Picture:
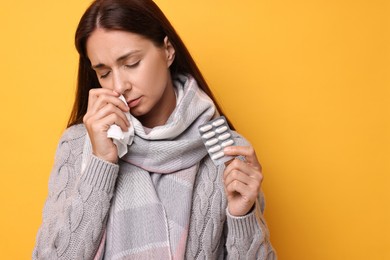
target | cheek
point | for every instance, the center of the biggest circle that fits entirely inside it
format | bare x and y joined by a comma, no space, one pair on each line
105,84
155,77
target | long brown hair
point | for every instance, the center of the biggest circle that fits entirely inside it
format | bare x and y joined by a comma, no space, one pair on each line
141,17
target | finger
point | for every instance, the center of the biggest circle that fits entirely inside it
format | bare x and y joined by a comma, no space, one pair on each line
247,151
103,124
249,190
237,186
244,168
103,99
104,104
112,115
94,94
118,117
237,175
117,120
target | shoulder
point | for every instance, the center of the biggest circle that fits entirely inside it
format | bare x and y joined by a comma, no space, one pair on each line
72,138
71,144
75,132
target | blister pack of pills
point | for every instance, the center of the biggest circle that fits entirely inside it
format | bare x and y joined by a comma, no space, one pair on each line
217,135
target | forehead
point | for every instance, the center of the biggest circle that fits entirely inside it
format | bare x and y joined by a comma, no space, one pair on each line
111,44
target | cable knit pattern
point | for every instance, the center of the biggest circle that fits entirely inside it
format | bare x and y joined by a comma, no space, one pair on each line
76,211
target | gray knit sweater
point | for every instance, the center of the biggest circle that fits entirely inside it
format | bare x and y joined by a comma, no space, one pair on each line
85,199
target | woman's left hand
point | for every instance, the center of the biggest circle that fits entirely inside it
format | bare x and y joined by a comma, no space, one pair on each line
242,180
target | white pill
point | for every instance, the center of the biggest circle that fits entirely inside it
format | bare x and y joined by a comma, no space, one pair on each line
227,143
205,128
224,136
211,142
218,122
217,155
221,129
208,135
215,149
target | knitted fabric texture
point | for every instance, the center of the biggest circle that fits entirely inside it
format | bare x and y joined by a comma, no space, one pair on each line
78,206
157,177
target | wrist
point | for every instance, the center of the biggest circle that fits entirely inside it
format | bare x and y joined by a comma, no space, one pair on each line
241,213
107,157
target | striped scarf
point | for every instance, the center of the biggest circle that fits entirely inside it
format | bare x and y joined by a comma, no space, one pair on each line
150,213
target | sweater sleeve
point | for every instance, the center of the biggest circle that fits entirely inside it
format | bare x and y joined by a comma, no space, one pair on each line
77,205
248,236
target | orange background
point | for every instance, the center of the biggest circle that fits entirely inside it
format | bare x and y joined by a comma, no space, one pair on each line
307,82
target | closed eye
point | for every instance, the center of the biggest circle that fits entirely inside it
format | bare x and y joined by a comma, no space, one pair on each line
104,75
133,65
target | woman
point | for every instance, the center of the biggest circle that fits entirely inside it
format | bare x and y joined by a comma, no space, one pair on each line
163,198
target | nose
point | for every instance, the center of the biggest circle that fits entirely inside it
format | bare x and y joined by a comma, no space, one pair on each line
121,84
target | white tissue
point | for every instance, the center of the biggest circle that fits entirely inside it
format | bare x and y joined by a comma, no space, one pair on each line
121,139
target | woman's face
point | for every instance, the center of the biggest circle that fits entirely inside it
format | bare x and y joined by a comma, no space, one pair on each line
133,66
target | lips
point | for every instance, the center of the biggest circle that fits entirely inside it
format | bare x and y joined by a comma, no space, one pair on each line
134,102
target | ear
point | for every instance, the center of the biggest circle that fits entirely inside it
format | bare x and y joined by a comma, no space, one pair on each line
170,51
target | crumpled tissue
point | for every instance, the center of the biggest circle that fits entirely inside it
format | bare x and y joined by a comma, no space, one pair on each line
122,139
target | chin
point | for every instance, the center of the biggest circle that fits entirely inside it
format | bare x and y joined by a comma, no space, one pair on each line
138,113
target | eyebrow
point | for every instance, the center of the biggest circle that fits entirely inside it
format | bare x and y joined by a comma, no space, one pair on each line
120,59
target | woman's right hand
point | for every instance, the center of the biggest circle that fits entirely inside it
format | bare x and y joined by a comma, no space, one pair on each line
104,109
